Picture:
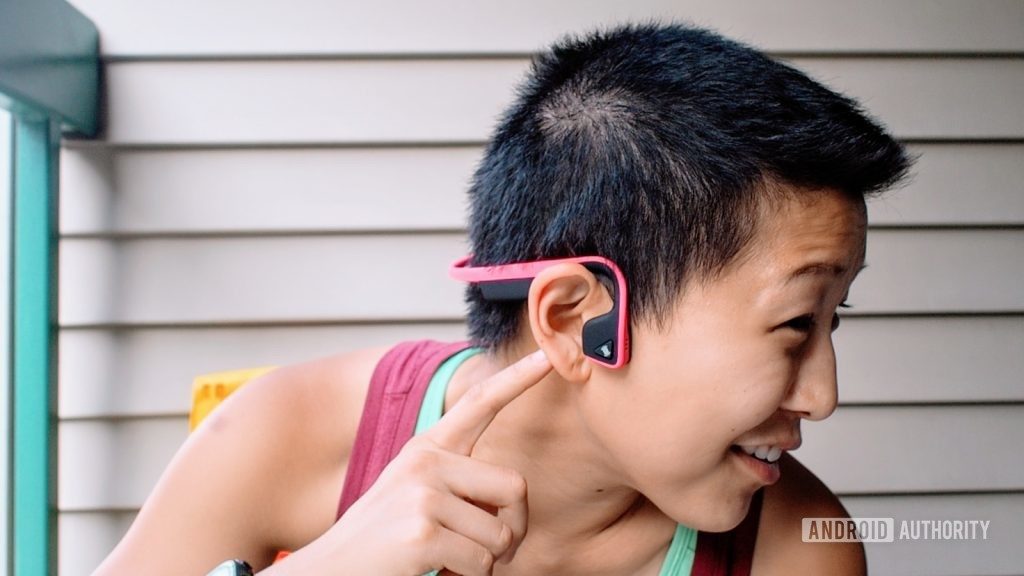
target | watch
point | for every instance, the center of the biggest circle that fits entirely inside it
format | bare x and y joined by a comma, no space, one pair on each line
232,568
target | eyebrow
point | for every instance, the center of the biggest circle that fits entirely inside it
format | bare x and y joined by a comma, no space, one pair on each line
819,268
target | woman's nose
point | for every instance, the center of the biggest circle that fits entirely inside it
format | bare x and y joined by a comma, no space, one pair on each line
815,393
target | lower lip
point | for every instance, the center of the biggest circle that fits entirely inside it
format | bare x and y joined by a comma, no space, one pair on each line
767,473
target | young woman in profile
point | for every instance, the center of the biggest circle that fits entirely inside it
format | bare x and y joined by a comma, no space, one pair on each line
663,226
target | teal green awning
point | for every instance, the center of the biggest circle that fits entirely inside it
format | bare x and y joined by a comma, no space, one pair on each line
49,63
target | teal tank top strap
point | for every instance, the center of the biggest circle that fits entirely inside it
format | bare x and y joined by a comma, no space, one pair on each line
432,407
682,550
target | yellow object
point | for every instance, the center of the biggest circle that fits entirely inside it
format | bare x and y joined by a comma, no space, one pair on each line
209,390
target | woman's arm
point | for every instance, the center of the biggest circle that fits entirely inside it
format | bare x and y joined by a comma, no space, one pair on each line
264,472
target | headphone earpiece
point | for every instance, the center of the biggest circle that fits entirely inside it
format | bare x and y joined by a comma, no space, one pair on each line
605,337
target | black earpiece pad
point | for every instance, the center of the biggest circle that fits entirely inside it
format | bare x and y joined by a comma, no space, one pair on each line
600,335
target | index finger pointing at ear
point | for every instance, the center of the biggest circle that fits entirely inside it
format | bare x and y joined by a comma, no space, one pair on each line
462,426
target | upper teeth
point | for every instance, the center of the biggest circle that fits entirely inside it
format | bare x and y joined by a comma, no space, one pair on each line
769,453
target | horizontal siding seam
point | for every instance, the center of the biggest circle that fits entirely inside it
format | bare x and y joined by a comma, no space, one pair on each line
934,493
840,494
265,233
288,323
77,144
256,324
402,56
875,406
985,403
124,418
143,146
414,231
71,144
163,416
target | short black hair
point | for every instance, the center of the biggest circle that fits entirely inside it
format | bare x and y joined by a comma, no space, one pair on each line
654,145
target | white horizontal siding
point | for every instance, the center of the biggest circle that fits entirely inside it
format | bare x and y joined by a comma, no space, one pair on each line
116,191
917,448
124,191
113,464
438,100
939,271
932,98
132,455
380,277
139,372
930,359
87,535
374,277
135,372
957,184
1000,554
197,27
308,101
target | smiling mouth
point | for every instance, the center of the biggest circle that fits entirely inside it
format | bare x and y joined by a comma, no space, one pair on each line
766,470
767,453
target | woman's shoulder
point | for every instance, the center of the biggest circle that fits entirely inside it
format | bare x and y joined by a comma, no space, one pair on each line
780,548
263,472
313,410
326,395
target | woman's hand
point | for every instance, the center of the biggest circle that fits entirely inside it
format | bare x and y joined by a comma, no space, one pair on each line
431,508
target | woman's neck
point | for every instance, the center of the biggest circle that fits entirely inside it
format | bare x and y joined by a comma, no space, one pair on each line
582,512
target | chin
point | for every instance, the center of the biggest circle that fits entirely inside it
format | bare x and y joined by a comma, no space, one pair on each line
718,512
728,519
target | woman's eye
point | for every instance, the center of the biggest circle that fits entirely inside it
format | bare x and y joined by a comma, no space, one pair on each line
802,323
806,322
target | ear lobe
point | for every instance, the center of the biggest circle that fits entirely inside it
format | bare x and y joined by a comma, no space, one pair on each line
562,299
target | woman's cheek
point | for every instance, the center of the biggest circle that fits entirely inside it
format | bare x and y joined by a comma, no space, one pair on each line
768,386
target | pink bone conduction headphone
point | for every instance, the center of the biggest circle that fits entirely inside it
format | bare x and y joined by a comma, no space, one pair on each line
605,337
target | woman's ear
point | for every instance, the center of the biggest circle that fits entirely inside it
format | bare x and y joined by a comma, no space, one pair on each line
562,299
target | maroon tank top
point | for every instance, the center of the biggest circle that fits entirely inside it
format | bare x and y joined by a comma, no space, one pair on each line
392,406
